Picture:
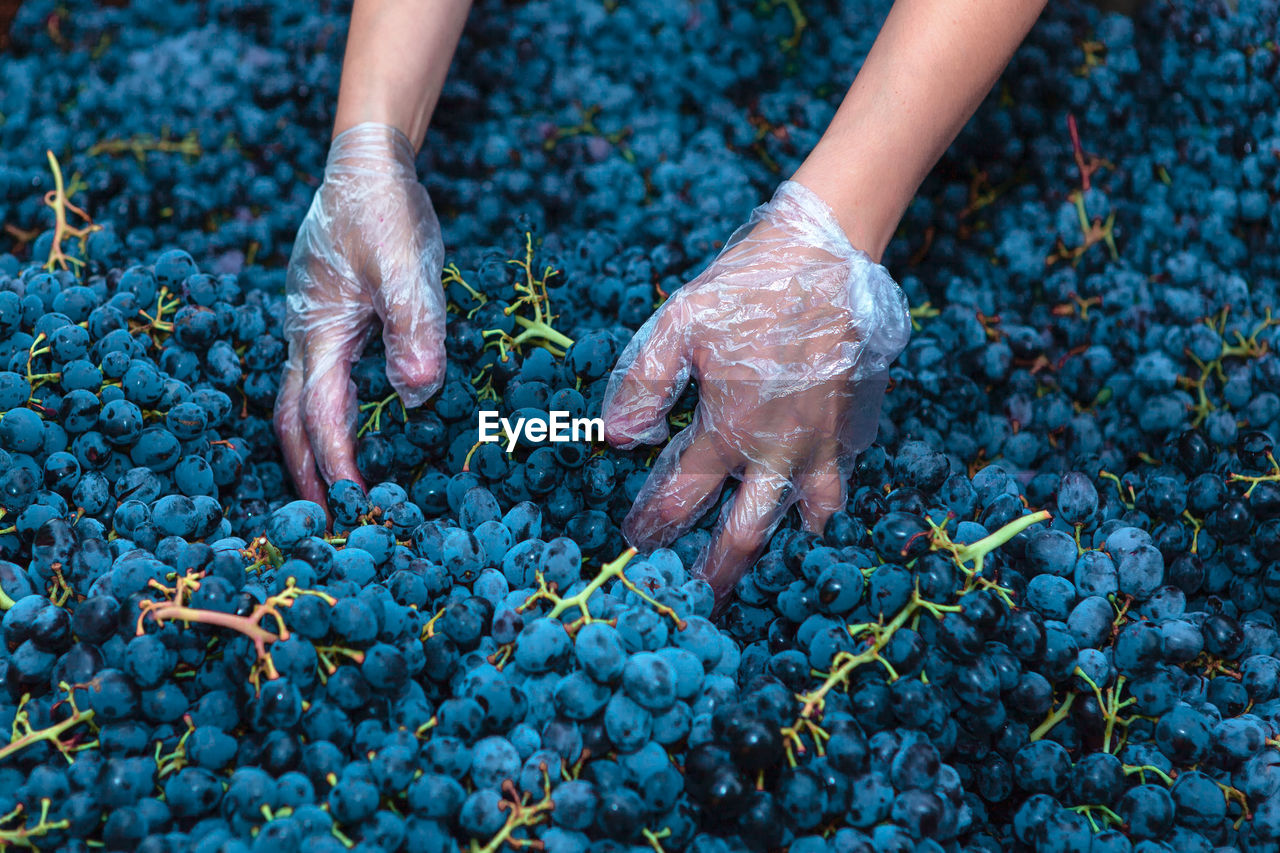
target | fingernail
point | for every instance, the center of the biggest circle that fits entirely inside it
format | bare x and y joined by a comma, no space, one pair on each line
619,437
627,431
414,397
414,380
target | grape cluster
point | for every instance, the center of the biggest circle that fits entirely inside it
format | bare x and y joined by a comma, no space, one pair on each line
1045,621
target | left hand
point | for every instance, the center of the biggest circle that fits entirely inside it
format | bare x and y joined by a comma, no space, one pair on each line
369,250
789,334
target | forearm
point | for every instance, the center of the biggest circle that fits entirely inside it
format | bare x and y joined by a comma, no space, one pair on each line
931,65
397,58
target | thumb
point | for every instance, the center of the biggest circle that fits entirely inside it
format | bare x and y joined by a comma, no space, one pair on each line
408,296
413,332
648,379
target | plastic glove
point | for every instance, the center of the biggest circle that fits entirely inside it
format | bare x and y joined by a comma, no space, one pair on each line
789,334
369,248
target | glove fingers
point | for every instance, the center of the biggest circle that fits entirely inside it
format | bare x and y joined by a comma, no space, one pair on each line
744,527
409,300
329,402
413,331
684,482
287,419
648,379
330,424
821,493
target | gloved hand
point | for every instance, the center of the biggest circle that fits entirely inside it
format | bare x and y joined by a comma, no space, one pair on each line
788,334
369,247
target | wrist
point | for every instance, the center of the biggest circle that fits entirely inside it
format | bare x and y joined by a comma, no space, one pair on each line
864,201
403,119
372,145
862,224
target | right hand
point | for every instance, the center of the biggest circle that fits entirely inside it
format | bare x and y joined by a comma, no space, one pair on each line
369,247
789,335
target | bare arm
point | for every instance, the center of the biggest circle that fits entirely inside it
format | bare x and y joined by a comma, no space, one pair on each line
931,65
398,54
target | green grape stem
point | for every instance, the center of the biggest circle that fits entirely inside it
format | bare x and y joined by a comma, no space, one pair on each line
22,836
1056,716
23,735
523,814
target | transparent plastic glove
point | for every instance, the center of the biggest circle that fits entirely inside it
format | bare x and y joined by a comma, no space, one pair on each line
789,334
369,249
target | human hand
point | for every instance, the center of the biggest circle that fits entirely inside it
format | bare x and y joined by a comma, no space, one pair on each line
789,334
369,247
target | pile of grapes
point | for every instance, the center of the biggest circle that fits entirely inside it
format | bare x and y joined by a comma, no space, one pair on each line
1045,622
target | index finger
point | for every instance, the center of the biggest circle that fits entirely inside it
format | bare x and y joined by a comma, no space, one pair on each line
682,485
650,375
294,445
745,526
329,407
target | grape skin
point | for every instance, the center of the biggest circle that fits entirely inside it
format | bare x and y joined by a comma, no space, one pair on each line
132,454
